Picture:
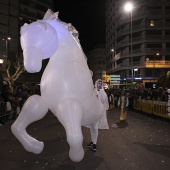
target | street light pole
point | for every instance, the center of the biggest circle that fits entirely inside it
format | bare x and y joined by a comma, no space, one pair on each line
6,44
6,41
157,54
131,48
129,7
112,51
135,70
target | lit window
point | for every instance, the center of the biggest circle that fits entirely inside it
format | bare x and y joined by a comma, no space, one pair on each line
152,23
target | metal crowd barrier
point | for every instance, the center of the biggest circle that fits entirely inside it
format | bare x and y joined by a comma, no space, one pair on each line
147,106
160,109
157,108
137,104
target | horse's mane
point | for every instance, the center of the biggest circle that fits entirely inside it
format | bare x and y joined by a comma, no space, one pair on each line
50,15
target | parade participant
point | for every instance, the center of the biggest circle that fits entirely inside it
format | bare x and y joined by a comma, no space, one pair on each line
123,103
102,123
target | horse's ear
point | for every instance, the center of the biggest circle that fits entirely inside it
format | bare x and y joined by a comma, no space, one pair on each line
42,24
50,15
23,27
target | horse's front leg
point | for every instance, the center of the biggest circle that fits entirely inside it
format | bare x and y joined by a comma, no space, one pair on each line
34,109
70,114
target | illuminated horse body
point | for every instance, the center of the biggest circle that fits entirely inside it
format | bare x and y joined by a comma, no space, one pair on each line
66,85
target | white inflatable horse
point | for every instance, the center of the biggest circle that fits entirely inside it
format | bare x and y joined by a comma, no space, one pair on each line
66,85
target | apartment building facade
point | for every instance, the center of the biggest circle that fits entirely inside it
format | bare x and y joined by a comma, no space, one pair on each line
13,14
97,62
138,42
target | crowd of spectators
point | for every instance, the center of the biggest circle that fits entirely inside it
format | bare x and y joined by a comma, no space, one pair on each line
138,92
12,99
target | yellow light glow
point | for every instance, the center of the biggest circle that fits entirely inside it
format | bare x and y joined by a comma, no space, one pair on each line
152,23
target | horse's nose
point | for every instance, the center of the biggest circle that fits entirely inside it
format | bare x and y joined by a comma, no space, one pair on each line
32,59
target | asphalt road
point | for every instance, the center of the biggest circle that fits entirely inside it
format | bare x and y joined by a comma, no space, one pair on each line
142,145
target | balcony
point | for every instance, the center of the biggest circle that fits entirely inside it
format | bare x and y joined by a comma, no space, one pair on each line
157,64
149,39
144,64
140,15
142,27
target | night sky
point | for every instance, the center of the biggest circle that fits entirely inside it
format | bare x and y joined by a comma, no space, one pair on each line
87,16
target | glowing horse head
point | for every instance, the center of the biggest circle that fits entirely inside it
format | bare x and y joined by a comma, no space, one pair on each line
38,41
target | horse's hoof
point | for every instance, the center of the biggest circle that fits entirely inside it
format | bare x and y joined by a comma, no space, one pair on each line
28,142
76,155
36,147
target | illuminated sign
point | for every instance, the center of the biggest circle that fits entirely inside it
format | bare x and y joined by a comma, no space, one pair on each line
115,79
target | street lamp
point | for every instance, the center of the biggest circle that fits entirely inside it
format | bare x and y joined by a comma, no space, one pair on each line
157,54
1,61
112,51
6,41
129,7
135,70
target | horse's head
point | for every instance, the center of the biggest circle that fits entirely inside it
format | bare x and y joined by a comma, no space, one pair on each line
38,41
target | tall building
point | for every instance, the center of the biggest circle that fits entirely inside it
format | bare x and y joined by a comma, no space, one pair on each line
9,28
138,42
30,11
97,62
13,14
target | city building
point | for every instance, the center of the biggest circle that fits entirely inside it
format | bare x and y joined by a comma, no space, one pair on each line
138,41
97,63
13,15
9,30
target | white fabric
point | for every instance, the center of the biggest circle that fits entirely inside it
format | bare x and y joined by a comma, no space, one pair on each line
102,96
103,124
94,132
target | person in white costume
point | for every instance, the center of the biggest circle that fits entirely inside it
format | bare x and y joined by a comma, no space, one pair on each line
102,123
